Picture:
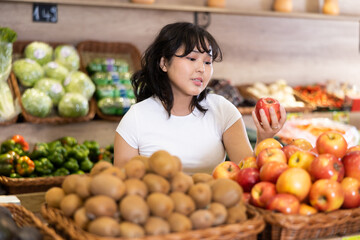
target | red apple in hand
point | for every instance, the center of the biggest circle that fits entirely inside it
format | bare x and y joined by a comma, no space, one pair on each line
226,169
270,155
271,171
332,142
247,178
301,159
290,150
327,166
326,195
351,163
351,187
296,181
284,203
248,162
265,104
262,193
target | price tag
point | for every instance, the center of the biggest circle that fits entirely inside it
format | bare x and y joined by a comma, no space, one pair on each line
44,12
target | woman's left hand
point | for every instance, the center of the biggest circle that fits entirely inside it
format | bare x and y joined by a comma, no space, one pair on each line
265,129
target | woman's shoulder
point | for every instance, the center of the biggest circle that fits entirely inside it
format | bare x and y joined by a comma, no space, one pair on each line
216,99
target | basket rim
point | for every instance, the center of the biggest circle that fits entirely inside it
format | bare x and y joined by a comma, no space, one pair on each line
255,225
36,181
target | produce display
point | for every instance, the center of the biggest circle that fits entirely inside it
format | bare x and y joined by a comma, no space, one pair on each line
148,196
60,157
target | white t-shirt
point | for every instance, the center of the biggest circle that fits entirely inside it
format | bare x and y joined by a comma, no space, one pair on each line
196,138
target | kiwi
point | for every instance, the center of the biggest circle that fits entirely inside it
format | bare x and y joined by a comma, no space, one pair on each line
108,185
226,191
201,194
219,211
104,226
69,183
53,196
163,163
133,208
145,160
179,222
115,171
135,169
135,186
100,205
202,218
202,177
80,218
156,183
183,203
156,226
131,230
236,214
178,162
181,182
82,187
160,204
99,167
70,203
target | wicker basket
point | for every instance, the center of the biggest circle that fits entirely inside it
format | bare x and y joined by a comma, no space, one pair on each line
24,217
29,185
247,230
298,227
89,50
14,119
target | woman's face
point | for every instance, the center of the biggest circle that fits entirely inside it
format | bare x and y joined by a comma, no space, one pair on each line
189,75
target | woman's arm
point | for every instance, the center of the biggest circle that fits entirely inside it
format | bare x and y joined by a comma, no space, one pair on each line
123,152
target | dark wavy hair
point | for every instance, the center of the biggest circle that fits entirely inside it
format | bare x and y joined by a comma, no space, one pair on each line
152,81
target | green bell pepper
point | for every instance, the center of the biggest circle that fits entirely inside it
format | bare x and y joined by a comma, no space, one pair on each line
6,169
40,150
57,155
54,144
61,172
7,145
79,172
86,165
25,166
70,141
94,149
43,166
72,165
80,152
9,157
15,175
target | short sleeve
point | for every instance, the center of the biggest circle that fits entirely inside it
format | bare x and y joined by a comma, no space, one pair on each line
127,128
230,114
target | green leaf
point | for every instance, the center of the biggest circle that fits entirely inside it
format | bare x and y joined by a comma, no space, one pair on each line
7,35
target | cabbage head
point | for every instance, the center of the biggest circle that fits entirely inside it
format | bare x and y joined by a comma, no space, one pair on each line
39,51
79,82
56,71
53,88
73,105
67,56
27,71
36,102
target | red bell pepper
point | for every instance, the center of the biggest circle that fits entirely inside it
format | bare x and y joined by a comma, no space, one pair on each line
20,139
25,166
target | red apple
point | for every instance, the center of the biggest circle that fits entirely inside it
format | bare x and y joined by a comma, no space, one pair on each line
246,197
353,149
226,169
301,159
267,143
302,143
290,150
306,209
296,181
351,163
332,142
285,203
248,162
266,103
270,155
351,187
247,178
271,171
326,195
262,193
327,166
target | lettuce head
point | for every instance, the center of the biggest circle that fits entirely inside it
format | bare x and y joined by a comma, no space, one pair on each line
79,82
67,56
27,71
36,102
52,88
56,71
73,105
39,51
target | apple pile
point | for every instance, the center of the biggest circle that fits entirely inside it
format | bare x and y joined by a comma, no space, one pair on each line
299,178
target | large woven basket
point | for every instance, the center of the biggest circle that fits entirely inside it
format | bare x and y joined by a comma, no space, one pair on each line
247,230
320,225
15,118
24,217
89,50
29,185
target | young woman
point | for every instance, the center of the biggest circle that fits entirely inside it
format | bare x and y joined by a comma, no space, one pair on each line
175,112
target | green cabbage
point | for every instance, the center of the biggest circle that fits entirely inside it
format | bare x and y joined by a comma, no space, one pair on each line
36,102
79,82
39,51
56,71
52,88
73,105
27,71
67,56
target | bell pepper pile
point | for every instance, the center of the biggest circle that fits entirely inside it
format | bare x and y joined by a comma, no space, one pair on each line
60,157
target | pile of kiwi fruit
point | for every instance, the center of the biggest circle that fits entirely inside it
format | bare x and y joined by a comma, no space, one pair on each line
148,196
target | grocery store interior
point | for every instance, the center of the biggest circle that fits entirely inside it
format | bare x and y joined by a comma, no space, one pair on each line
298,51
